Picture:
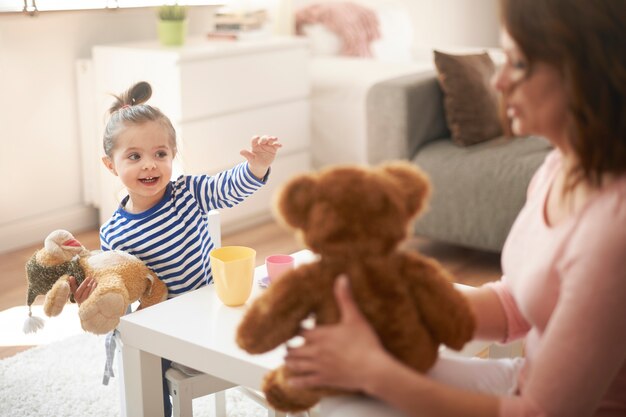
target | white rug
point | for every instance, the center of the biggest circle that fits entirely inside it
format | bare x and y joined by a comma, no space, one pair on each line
64,379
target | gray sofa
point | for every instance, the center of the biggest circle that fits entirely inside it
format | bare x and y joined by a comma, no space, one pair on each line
478,190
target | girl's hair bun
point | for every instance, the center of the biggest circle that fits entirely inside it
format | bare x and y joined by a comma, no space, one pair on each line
137,94
140,93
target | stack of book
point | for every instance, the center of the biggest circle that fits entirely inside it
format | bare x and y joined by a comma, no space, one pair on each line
232,25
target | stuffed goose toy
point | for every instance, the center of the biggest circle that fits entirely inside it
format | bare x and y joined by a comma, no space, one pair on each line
121,280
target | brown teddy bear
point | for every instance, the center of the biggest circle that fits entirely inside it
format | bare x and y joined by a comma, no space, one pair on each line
121,280
355,218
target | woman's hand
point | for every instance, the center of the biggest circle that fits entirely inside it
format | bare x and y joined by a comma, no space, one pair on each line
340,355
81,292
262,154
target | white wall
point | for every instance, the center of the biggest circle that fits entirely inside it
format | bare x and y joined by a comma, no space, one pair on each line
39,131
440,23
454,23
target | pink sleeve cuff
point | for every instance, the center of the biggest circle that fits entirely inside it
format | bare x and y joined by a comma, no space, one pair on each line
517,326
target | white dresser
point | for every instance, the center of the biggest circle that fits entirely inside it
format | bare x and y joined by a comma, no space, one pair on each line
218,95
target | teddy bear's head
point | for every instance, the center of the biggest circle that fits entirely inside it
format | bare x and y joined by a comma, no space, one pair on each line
354,209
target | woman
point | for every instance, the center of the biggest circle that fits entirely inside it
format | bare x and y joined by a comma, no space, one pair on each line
564,262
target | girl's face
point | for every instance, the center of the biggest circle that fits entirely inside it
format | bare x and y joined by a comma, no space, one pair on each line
142,158
535,97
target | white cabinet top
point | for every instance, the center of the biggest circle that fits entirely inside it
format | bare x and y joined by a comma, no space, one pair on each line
203,48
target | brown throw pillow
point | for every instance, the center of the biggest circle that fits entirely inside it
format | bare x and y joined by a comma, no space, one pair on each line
470,102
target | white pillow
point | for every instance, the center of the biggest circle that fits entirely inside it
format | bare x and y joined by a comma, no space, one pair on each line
396,31
323,42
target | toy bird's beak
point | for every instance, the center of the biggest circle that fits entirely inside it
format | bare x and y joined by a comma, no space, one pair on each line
72,242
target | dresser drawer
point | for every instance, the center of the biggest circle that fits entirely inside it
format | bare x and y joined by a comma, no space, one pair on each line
237,82
214,144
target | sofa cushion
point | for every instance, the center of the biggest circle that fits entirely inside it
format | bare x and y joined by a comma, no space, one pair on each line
477,190
470,103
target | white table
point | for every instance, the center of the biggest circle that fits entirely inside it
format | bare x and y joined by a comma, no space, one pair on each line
195,330
198,331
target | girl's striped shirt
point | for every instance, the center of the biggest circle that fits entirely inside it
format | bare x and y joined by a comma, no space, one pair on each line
172,238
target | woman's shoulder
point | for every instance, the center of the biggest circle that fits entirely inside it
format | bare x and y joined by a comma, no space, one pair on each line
601,227
545,173
608,207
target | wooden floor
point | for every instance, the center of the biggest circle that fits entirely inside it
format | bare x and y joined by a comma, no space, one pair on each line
468,266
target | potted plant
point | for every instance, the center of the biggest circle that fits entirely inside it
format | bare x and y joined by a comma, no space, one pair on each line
172,25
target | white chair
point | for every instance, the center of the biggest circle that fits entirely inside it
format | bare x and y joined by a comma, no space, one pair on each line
185,387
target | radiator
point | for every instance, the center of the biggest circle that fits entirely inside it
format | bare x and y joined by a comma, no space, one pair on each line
90,137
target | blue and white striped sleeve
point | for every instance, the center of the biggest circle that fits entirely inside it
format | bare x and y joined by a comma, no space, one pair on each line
104,241
225,189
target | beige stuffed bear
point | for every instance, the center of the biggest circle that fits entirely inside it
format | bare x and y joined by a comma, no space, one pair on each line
121,280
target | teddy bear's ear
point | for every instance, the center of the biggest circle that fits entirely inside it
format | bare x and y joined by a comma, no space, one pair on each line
413,183
294,200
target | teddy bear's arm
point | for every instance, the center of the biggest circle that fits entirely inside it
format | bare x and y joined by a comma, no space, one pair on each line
275,316
446,312
156,291
57,297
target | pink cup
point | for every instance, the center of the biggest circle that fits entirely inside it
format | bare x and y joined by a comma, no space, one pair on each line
277,265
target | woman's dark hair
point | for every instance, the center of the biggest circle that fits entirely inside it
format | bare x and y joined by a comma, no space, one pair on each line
129,109
586,41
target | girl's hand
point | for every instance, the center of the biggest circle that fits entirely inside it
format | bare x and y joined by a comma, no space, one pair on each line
262,154
81,292
337,355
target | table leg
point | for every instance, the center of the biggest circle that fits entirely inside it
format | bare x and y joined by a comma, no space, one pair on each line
143,383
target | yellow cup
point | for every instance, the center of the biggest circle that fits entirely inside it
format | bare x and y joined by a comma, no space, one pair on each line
233,273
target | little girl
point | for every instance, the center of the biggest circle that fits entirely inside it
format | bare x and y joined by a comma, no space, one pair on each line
164,223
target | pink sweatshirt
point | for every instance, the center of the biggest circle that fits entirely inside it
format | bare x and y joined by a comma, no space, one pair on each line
564,288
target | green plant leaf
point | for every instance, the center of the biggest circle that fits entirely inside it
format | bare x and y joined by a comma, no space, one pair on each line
172,12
